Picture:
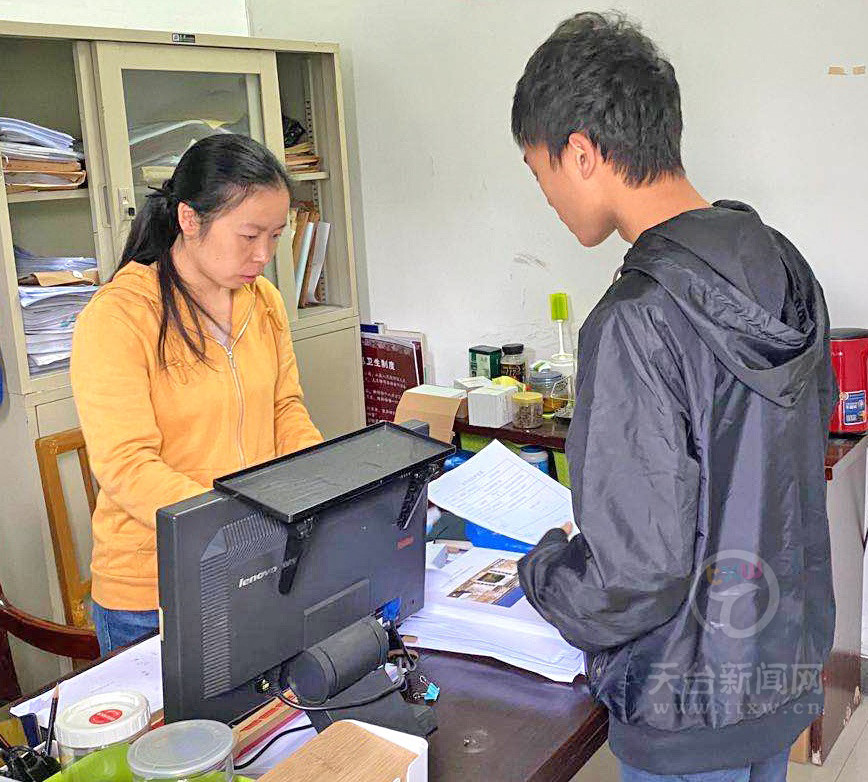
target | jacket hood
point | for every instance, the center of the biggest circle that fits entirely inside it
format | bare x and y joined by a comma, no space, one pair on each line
745,289
138,280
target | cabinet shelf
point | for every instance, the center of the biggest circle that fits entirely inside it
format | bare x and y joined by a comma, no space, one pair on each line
34,196
309,176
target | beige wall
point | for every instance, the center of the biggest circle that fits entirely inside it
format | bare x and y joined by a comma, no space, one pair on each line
195,16
458,241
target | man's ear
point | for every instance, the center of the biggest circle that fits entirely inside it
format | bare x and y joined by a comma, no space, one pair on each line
581,154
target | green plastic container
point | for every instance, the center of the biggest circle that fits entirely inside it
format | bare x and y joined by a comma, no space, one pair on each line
108,765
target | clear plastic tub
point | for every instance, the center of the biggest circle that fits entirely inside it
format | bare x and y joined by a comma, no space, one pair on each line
100,729
188,751
527,410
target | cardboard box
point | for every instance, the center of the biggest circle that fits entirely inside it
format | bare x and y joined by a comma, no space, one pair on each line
438,406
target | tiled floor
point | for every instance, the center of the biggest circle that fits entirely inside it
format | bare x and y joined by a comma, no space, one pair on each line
848,761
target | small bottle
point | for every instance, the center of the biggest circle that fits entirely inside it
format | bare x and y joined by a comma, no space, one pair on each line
513,362
537,456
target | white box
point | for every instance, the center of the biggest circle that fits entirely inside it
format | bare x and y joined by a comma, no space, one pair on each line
490,406
418,770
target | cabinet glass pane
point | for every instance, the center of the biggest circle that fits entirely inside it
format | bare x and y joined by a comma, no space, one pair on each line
169,111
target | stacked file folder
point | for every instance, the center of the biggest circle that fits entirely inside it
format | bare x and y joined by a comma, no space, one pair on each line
39,158
49,312
474,605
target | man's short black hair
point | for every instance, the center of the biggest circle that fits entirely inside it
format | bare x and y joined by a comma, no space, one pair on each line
598,74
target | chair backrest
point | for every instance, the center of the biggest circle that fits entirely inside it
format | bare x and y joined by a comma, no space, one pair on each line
63,640
10,689
73,588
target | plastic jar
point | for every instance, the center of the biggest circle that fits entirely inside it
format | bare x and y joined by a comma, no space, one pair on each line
199,750
527,409
94,735
553,386
513,362
537,456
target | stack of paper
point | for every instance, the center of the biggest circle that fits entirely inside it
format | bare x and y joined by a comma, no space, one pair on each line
162,144
27,263
38,158
19,131
474,605
301,158
49,315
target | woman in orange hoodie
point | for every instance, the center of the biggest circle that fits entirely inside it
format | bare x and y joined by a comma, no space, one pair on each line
182,366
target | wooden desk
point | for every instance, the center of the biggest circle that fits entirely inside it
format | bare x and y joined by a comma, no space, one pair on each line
500,723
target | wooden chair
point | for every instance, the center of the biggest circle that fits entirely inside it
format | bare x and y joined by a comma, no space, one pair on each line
10,689
63,640
74,589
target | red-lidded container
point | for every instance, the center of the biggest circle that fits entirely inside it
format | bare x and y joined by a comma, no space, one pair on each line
850,361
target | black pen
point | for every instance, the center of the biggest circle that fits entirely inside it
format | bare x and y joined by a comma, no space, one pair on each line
52,715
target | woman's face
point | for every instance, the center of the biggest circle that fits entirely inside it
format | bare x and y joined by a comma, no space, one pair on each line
239,242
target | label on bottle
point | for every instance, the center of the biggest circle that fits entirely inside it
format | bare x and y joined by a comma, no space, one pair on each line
853,407
105,716
512,370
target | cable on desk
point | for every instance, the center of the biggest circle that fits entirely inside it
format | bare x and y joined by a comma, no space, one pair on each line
269,743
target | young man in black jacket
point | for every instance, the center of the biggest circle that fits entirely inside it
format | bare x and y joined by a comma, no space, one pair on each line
700,581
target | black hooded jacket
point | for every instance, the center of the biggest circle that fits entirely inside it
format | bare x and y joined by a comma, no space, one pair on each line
700,582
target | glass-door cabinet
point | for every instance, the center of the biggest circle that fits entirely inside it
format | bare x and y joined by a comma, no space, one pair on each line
113,114
162,102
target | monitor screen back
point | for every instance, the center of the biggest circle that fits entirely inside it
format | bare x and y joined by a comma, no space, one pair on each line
225,620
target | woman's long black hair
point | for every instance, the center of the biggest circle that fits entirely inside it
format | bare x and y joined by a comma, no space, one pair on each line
214,175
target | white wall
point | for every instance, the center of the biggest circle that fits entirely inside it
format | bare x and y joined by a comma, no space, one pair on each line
228,17
455,237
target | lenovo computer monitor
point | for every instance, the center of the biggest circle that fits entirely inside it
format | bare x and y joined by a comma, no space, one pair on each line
281,556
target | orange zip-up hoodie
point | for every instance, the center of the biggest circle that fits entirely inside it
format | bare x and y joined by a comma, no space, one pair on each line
157,435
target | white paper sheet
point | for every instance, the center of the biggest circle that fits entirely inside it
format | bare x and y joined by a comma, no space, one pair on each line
139,668
503,493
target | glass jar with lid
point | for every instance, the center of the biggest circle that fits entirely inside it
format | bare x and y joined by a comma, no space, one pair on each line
553,386
513,362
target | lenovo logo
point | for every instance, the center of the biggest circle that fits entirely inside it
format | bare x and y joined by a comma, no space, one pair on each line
243,582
